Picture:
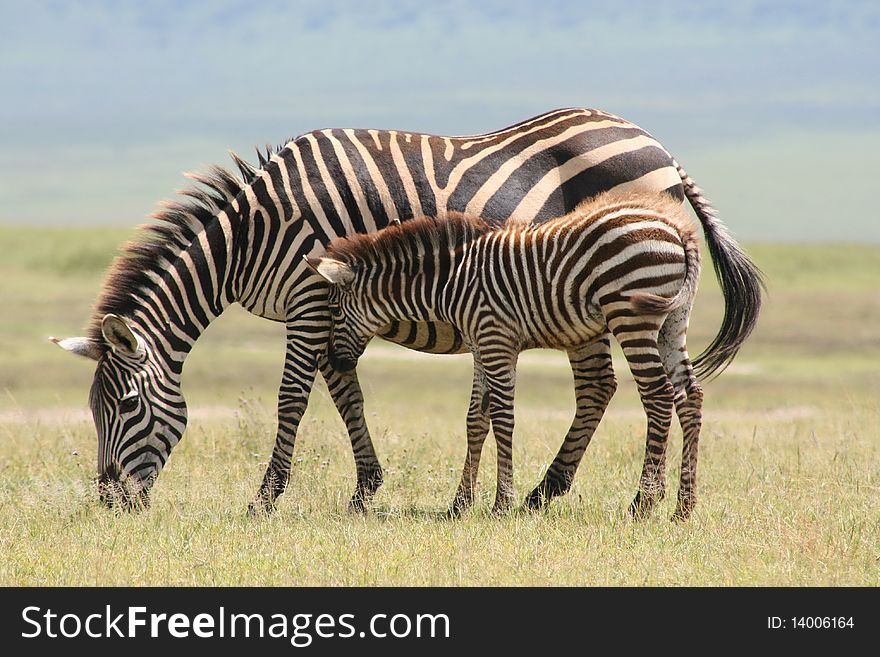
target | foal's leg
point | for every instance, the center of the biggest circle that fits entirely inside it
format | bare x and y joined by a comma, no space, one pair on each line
594,385
637,336
477,430
688,404
499,363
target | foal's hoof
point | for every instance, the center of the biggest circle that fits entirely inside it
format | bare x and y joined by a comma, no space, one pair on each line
683,510
643,504
502,509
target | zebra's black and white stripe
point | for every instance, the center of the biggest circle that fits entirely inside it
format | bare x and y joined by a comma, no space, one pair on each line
242,240
624,266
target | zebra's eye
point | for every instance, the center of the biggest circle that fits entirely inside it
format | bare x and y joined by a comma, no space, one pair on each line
128,403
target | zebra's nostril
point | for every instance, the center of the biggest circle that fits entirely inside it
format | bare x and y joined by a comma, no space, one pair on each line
111,474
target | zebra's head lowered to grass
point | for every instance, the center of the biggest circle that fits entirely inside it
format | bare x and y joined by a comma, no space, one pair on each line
138,409
159,295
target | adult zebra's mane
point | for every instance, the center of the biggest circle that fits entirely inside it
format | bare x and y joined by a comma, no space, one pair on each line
450,232
143,260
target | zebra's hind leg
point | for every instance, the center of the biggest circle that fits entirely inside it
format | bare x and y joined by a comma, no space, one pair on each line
477,430
345,390
594,385
638,339
688,404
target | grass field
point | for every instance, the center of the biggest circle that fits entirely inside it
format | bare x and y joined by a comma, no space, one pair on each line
789,458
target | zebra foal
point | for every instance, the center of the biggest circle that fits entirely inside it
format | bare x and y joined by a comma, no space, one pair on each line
626,264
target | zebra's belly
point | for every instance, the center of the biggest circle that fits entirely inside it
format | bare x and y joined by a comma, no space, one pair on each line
536,332
427,337
546,326
565,341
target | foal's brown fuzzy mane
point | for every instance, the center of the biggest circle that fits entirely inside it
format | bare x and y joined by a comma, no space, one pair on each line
458,228
455,229
144,259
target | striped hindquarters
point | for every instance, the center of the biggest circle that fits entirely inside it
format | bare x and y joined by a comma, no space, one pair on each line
552,280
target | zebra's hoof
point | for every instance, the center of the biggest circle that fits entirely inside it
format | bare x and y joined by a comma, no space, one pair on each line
457,508
357,506
642,506
260,509
535,501
553,485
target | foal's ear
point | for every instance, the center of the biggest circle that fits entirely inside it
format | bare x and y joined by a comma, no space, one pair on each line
85,347
332,271
119,335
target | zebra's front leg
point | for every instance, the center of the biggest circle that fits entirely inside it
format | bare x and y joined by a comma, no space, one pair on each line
293,397
594,385
477,430
500,366
346,392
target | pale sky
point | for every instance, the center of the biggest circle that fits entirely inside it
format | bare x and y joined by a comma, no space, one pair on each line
773,107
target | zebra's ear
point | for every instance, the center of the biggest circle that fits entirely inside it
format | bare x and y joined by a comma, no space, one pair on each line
85,347
119,335
332,271
312,262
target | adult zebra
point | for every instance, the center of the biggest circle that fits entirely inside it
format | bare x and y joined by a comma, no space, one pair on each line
626,265
243,240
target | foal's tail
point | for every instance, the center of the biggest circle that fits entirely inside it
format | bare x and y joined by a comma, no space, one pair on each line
655,304
740,280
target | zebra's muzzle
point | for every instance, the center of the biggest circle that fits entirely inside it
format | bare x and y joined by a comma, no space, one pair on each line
122,492
342,363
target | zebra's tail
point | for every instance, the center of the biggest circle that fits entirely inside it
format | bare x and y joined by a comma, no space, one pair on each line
741,285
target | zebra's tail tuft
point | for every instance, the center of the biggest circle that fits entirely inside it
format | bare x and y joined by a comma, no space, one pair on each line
654,304
741,284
